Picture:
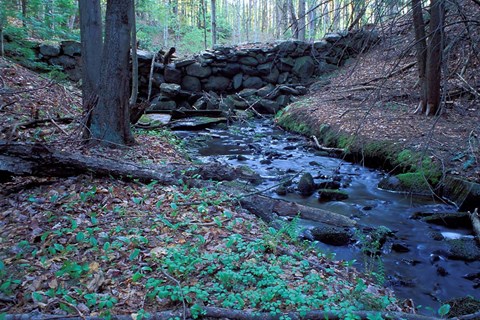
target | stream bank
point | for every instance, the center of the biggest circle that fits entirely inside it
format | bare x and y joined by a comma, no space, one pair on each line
415,170
421,261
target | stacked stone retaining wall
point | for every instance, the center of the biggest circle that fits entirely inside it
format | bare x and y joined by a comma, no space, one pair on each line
264,76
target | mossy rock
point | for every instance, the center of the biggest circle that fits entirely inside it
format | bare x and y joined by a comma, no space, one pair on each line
463,249
306,185
325,195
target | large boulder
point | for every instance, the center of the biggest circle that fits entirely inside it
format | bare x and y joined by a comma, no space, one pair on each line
331,195
272,77
71,48
197,70
463,249
230,69
170,89
217,84
304,68
172,75
334,236
191,84
162,103
50,50
253,82
268,106
306,185
249,61
66,62
237,81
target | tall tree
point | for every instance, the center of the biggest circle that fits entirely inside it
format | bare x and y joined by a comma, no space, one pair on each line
301,20
91,36
421,52
110,117
214,22
434,60
429,55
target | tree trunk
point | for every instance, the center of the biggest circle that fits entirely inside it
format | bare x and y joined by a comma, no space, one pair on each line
293,19
24,13
214,22
301,20
434,59
2,50
110,125
421,53
312,18
91,36
204,18
133,45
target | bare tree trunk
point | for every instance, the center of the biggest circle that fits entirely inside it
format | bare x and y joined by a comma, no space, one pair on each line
434,59
301,20
204,16
24,13
293,19
91,35
214,22
312,17
133,45
421,53
110,124
2,49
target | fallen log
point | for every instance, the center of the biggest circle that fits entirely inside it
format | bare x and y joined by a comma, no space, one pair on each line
268,209
28,159
222,313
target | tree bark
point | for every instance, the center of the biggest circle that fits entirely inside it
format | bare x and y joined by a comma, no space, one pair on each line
434,59
421,53
133,45
91,36
214,22
110,125
301,20
222,313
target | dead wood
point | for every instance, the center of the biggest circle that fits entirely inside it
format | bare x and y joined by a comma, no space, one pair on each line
218,313
28,159
39,122
322,148
475,218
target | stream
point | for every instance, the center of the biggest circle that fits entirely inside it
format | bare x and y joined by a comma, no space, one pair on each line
422,274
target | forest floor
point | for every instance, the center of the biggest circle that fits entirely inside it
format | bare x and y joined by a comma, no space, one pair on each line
86,246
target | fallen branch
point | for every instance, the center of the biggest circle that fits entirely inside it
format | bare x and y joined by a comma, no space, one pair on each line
36,123
322,148
28,159
218,313
475,217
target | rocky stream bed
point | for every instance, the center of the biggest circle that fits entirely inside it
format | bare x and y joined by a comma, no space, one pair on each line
421,247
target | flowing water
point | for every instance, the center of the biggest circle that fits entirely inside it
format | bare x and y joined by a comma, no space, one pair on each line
419,274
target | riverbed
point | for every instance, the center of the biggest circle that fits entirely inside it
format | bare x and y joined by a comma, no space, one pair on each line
422,273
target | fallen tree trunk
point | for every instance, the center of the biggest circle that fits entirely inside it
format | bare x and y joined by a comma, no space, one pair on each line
27,159
218,313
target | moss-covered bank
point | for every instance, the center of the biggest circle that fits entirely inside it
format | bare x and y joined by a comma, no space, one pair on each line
413,171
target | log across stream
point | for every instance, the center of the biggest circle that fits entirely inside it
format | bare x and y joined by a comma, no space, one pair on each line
415,259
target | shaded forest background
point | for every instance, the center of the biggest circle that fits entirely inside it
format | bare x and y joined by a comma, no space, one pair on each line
191,26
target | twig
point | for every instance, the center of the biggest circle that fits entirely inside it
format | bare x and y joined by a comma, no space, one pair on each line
469,87
181,291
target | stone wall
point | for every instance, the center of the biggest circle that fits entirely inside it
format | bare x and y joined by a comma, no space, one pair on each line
264,76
